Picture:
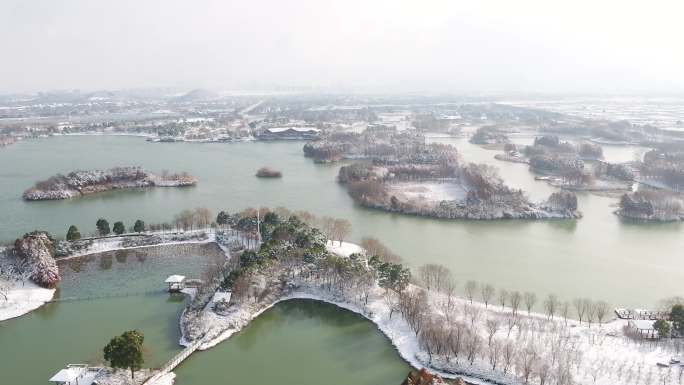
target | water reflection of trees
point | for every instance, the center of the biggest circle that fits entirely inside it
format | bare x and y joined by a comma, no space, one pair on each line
141,269
105,262
298,311
121,255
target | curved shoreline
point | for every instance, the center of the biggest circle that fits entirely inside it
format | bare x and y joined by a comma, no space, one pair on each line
403,346
24,298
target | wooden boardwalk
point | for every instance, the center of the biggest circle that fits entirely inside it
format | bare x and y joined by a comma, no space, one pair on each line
175,361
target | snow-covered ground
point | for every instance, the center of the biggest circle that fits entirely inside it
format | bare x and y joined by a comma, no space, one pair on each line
101,245
23,298
595,354
431,191
166,379
343,250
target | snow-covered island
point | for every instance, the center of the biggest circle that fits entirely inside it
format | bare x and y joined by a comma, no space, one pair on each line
400,172
78,183
448,190
652,205
571,166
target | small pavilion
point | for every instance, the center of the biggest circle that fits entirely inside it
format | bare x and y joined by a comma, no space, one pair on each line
75,374
176,283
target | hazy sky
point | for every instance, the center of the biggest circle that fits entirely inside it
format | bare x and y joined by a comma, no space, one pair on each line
446,46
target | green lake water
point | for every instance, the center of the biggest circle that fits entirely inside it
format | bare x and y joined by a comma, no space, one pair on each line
303,341
599,256
300,342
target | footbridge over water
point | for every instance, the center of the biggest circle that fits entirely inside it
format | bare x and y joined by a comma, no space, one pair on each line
175,361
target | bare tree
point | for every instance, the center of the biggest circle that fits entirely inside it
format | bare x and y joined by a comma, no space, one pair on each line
487,292
590,309
449,302
494,351
184,220
414,308
472,313
492,327
470,288
503,297
543,371
530,301
428,339
457,338
434,276
5,283
565,311
511,322
527,359
327,226
580,308
374,247
508,354
202,217
342,229
473,343
515,300
240,289
551,305
390,299
602,309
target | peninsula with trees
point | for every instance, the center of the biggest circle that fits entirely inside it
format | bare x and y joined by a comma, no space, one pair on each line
79,183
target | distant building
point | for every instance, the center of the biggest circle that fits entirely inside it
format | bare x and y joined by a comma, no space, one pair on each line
289,133
643,328
381,129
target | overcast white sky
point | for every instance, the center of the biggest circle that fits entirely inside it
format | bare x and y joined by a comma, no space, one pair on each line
442,45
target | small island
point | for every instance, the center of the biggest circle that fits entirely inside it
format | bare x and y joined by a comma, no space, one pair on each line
79,183
652,205
571,166
267,172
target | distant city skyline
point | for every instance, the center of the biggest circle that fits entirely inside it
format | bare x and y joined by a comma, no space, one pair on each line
492,47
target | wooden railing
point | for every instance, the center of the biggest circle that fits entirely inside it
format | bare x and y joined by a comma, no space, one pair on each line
175,361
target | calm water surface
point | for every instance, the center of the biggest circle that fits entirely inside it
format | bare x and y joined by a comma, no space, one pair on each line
35,346
599,256
300,342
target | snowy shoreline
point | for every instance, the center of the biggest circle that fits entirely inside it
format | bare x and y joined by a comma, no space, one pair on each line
395,328
406,344
23,298
603,353
105,244
602,344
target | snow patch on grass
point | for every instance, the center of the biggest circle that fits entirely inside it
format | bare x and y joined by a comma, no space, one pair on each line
22,298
